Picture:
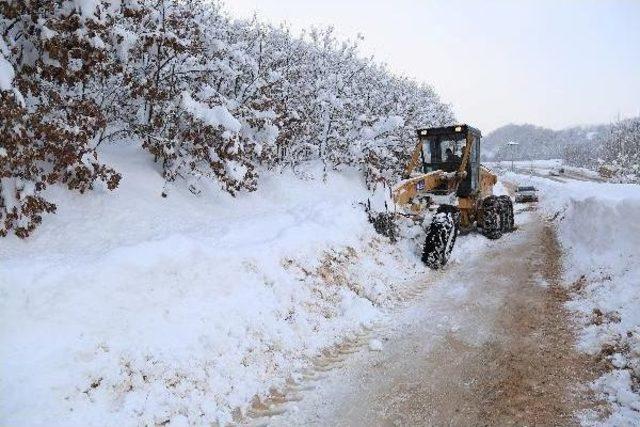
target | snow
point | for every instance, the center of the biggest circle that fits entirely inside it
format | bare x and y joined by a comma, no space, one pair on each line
598,229
47,33
128,308
124,41
216,116
525,164
10,187
616,388
87,8
6,74
382,126
375,345
499,189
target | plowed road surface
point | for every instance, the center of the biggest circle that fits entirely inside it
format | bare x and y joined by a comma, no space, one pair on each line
488,343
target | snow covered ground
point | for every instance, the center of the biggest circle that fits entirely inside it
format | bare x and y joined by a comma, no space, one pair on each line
598,228
525,164
129,308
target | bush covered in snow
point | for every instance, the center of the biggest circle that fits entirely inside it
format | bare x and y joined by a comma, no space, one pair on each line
618,151
48,59
211,99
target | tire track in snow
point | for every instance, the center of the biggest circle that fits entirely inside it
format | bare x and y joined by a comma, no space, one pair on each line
488,344
276,404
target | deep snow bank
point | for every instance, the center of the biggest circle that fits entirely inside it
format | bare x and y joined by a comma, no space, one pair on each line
127,308
598,226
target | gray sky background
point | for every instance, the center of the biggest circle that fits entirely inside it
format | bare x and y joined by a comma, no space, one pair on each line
553,63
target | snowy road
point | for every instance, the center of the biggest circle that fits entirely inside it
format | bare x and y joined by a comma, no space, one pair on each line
487,343
567,176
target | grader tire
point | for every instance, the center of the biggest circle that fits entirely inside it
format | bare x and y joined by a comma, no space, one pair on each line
507,221
441,237
492,218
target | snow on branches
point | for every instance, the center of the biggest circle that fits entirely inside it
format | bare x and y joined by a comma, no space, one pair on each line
50,51
614,151
208,97
620,148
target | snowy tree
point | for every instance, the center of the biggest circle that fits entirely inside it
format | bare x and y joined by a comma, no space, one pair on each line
50,51
211,99
620,148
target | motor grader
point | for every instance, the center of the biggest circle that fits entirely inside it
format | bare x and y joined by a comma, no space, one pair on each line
445,175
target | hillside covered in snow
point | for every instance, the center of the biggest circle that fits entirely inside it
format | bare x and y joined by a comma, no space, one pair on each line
537,142
614,148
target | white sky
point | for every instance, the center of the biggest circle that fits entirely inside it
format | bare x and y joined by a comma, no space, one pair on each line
553,63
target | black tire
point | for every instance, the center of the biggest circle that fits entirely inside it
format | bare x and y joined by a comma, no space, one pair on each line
454,211
441,237
507,220
492,218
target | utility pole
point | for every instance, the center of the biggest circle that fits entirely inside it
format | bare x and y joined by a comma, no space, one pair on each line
513,145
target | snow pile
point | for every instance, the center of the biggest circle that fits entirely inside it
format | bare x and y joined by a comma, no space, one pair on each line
598,227
129,308
602,237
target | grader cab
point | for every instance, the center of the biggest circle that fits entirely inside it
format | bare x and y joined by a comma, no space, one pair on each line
445,175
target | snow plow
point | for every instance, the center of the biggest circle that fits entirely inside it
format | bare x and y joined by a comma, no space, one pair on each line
444,176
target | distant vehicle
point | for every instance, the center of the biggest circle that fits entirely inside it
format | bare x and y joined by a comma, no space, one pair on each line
526,194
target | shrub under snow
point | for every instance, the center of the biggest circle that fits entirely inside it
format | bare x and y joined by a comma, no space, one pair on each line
47,61
209,98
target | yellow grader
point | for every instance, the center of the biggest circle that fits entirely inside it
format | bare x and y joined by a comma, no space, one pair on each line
445,175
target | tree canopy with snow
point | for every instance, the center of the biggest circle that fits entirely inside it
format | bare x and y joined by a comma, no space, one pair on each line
210,98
